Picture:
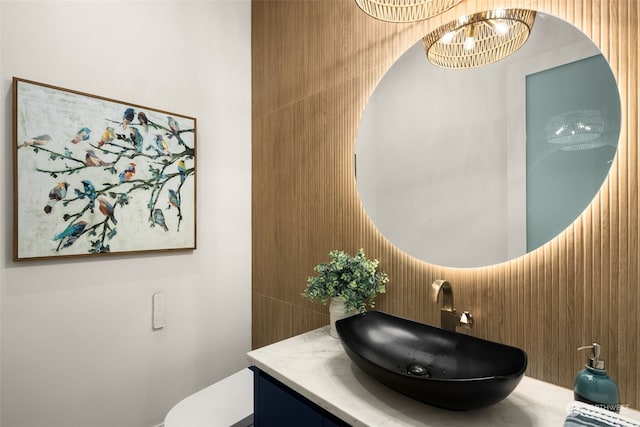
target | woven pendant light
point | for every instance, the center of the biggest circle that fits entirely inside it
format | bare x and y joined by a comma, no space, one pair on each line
576,130
405,10
479,39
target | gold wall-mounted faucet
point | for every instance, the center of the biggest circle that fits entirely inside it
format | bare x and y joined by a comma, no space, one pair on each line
449,318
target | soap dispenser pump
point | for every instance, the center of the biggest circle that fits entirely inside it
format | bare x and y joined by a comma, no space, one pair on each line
593,385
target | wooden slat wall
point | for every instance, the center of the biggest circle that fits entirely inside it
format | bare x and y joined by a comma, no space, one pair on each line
314,65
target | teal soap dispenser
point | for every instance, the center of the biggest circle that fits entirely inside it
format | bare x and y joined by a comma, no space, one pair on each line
593,385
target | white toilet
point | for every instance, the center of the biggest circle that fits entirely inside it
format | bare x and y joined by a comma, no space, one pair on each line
229,402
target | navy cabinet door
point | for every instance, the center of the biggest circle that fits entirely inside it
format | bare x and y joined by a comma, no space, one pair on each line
276,405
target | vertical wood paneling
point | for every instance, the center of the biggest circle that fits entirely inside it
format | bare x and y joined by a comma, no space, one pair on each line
314,66
633,116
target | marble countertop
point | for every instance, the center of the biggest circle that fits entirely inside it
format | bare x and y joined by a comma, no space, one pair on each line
315,365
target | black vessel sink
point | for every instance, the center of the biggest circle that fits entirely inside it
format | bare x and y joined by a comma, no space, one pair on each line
438,367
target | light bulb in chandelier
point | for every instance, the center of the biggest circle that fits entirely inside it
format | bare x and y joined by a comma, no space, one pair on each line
469,43
470,40
501,27
448,38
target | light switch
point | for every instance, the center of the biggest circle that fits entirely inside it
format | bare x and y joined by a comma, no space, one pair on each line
159,311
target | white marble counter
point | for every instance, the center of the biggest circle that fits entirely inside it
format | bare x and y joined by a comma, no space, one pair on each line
315,365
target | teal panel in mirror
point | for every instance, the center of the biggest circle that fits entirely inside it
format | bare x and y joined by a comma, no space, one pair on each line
573,126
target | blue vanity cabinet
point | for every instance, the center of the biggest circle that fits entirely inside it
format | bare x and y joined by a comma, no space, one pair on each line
276,405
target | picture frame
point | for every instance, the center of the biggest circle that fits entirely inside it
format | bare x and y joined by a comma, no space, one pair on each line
96,176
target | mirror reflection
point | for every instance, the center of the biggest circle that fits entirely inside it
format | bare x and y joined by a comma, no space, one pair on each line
466,168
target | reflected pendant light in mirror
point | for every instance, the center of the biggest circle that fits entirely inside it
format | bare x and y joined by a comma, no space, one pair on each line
576,130
405,10
479,39
473,167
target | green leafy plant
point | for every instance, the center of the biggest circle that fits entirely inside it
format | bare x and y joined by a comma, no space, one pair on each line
354,278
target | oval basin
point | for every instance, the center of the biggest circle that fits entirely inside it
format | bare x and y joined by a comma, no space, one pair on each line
442,368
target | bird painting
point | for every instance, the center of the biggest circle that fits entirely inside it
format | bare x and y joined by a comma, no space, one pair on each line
142,118
107,209
173,125
56,194
82,135
71,233
127,117
104,175
162,144
91,159
136,138
107,136
128,173
37,141
182,170
158,218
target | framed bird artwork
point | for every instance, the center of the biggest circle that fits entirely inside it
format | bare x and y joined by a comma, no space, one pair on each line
96,176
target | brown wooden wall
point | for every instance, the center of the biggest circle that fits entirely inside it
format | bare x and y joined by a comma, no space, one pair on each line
315,63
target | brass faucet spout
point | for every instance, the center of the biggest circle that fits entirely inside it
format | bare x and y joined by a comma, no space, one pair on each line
449,319
443,287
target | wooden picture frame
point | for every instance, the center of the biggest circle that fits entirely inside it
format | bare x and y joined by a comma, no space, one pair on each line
96,176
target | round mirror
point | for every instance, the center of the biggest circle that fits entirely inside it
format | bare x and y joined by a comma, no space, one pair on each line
467,168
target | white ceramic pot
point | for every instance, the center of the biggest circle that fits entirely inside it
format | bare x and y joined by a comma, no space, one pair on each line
337,311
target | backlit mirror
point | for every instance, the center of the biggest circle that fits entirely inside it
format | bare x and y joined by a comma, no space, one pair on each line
467,168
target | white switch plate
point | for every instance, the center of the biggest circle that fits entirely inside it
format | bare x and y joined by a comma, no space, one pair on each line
159,311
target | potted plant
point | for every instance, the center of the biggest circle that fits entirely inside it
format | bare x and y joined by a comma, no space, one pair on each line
350,282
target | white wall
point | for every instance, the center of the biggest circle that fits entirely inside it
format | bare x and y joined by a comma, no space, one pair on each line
77,344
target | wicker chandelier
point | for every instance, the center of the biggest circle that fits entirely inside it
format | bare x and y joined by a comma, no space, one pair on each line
405,10
576,130
479,39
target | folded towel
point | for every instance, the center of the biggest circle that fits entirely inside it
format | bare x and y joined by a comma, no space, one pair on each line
584,415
